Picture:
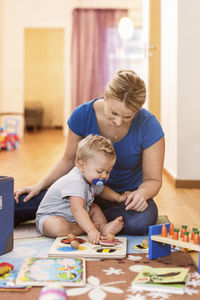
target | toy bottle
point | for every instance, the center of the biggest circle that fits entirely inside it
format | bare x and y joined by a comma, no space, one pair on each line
192,234
183,229
171,229
196,237
186,239
53,292
175,235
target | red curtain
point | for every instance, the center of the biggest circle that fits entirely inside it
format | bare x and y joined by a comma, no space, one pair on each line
89,60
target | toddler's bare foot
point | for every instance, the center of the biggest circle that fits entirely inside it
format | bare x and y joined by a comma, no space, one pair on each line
113,227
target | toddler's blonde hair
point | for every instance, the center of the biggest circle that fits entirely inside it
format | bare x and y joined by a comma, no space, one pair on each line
93,144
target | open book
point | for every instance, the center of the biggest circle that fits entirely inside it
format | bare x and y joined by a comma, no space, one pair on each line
169,280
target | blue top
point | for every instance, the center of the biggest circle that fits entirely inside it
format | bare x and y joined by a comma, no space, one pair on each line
144,131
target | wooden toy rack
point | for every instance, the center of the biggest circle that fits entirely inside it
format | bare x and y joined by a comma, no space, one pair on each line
161,246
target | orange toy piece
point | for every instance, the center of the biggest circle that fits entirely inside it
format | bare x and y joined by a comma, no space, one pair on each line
183,229
192,234
186,239
196,237
175,235
164,231
171,229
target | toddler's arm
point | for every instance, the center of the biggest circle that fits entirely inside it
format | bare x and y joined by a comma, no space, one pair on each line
83,219
109,194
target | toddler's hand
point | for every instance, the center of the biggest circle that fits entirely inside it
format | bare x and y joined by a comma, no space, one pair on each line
123,196
93,236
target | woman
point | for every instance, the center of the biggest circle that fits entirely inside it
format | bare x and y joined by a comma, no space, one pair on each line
138,140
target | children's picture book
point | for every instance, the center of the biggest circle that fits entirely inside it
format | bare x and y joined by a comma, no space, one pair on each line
169,280
61,247
37,271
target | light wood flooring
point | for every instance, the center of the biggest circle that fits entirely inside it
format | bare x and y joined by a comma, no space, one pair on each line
40,150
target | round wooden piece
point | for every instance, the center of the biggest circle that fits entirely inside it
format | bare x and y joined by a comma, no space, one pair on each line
71,236
75,244
110,237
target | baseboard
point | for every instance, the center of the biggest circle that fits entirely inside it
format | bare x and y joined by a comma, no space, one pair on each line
179,183
189,184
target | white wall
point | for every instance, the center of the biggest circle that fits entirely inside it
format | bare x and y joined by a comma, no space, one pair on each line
169,82
189,89
18,15
180,87
21,14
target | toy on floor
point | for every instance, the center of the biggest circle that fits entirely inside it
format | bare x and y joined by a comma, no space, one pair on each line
82,248
109,240
42,271
160,244
5,267
143,247
9,139
53,292
6,214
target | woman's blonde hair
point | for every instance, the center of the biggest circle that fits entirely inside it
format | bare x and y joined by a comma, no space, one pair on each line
128,87
92,144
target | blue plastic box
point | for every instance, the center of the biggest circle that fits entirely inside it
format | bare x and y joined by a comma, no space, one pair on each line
6,214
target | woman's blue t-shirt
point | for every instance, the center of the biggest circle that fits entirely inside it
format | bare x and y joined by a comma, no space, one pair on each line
144,131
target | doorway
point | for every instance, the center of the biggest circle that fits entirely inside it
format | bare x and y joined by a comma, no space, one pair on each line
44,75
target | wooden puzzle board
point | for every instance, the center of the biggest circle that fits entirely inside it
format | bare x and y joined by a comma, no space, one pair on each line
37,271
62,248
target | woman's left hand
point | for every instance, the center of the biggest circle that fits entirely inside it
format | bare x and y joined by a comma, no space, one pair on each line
136,201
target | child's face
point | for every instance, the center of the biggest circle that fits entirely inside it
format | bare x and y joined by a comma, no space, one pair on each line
99,166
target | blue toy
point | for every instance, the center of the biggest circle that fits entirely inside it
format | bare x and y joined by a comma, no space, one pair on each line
6,214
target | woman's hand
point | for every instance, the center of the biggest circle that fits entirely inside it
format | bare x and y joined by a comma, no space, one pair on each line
136,201
32,191
93,236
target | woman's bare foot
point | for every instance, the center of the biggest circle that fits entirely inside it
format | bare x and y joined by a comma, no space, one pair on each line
113,227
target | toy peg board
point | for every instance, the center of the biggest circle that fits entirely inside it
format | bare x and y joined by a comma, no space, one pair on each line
61,247
161,246
179,243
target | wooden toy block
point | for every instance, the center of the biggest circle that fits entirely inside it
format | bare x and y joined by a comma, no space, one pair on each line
157,249
161,246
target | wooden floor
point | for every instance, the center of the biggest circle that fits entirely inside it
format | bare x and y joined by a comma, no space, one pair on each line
40,150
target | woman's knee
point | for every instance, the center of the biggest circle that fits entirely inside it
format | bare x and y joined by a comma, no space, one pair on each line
137,223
